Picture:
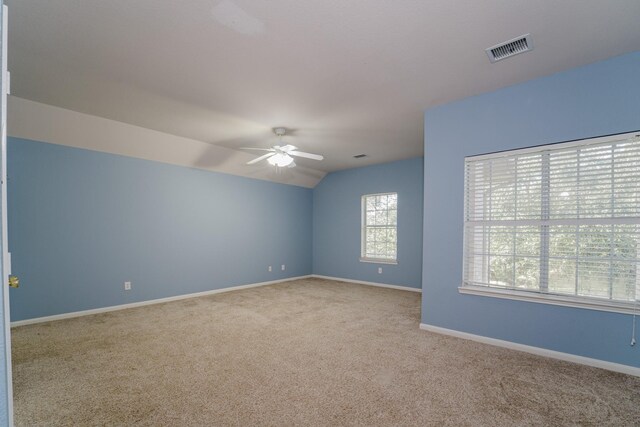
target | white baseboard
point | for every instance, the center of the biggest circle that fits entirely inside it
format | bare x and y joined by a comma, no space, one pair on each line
148,302
567,357
362,282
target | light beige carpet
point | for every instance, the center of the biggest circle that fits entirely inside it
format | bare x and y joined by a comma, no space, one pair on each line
310,352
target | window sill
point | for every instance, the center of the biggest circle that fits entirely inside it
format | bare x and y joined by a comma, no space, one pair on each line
562,300
379,261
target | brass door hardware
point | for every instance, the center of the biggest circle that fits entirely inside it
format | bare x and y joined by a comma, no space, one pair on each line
14,282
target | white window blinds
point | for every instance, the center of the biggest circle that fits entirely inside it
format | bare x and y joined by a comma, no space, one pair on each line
561,219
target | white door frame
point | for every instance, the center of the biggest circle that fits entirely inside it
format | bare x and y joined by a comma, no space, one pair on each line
5,260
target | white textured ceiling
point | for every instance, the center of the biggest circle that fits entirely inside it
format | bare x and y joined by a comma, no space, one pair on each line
347,76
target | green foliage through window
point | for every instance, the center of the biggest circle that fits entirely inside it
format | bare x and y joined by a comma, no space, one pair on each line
560,219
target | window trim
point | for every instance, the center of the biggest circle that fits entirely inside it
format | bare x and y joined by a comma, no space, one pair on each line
363,234
591,303
583,302
557,145
379,260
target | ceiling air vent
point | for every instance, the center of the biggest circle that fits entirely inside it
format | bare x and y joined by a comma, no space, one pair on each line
359,156
510,48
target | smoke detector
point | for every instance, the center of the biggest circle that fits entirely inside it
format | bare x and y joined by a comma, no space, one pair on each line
510,48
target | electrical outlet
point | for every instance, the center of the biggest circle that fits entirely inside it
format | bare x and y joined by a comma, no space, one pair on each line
282,268
270,268
127,286
379,270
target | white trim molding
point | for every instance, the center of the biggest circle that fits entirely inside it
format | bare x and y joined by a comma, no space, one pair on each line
567,357
362,282
553,299
379,261
148,302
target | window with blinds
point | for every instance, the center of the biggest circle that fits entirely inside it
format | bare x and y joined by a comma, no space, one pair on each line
562,219
379,228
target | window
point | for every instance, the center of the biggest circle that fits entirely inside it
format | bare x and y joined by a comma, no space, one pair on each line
559,222
379,228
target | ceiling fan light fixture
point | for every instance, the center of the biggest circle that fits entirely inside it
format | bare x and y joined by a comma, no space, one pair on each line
280,155
281,160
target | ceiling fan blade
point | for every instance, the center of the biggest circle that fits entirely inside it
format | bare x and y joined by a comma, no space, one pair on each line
256,148
257,159
306,155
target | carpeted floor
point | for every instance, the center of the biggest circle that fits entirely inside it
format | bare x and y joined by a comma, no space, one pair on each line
309,352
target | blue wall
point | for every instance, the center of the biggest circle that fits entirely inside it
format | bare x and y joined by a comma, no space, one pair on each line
82,222
601,98
337,217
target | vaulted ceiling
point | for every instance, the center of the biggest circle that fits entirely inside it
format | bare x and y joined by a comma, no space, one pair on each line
346,77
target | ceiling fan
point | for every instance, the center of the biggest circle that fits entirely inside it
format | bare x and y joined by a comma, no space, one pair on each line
281,155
